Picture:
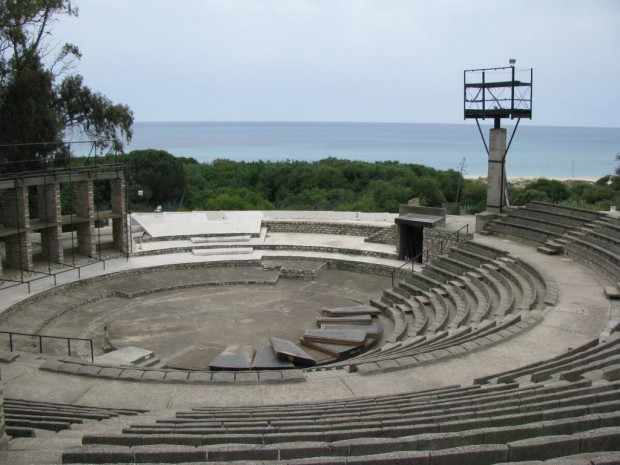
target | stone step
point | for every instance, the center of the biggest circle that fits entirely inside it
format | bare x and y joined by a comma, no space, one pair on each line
334,350
287,350
612,292
266,359
150,363
351,311
551,248
528,441
234,357
223,251
210,239
345,320
354,337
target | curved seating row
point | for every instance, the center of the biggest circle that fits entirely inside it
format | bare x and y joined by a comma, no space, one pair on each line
23,417
488,424
597,246
565,408
592,238
540,222
605,349
452,307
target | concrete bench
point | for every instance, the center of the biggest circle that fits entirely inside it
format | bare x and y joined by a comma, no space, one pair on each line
595,256
511,375
502,289
482,249
585,215
573,359
520,232
468,256
484,408
526,287
550,227
557,218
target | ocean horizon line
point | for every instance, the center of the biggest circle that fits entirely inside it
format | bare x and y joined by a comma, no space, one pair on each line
463,123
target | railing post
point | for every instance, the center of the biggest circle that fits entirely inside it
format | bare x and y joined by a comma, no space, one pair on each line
11,342
69,345
92,352
40,344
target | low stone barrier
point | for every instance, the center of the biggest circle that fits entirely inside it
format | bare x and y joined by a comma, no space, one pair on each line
322,227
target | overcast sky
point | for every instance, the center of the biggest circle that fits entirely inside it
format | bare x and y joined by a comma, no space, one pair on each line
345,60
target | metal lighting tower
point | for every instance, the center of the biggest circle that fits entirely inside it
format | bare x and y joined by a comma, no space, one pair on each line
497,93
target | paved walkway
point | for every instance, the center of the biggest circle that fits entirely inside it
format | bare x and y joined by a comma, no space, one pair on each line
581,314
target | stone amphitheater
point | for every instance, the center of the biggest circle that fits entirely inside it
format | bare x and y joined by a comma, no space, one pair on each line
501,347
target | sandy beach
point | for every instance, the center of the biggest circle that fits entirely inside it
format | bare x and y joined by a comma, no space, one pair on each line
522,179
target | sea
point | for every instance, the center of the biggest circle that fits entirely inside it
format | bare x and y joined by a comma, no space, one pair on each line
544,151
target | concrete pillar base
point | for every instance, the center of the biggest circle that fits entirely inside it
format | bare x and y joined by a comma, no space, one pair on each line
496,199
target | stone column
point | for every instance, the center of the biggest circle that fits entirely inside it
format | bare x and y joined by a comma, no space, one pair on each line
48,199
83,205
119,207
14,215
495,180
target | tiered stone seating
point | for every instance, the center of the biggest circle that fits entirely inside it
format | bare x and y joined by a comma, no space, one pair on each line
597,246
24,417
590,237
541,223
593,351
565,409
447,313
496,423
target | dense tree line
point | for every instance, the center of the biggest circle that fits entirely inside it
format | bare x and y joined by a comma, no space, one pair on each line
329,184
599,195
179,183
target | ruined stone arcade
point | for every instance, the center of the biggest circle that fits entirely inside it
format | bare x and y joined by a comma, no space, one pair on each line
34,230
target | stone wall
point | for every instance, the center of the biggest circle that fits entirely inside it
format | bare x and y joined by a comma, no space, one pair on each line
16,246
385,236
48,200
438,241
322,227
83,204
119,207
14,214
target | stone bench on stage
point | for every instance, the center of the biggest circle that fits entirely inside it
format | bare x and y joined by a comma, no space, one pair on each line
342,331
355,310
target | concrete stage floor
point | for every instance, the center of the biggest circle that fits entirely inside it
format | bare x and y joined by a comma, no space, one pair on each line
174,322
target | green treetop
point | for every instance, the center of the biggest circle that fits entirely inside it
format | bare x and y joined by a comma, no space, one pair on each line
40,99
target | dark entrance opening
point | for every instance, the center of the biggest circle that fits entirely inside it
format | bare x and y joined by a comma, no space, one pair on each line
410,245
411,226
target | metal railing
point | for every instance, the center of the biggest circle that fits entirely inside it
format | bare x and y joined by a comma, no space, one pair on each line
425,254
41,337
56,273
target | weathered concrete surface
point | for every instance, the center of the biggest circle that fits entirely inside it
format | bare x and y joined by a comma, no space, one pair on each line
581,314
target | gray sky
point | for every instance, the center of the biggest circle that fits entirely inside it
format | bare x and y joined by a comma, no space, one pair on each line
345,60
